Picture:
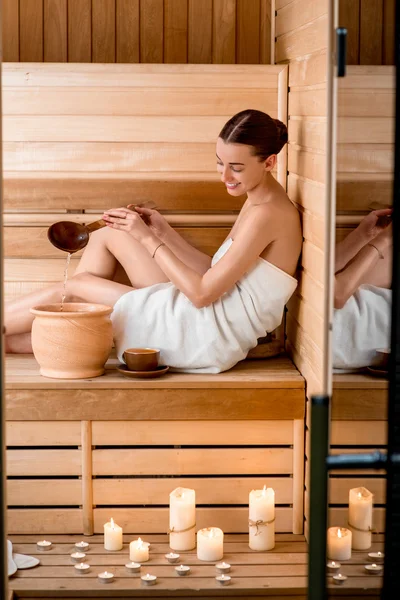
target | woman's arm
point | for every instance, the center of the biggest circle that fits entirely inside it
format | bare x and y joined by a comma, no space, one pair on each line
202,290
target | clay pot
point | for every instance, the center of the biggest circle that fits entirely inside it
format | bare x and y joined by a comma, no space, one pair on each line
73,343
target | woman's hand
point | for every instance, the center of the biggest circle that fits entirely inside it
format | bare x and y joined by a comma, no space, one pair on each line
156,222
127,220
374,223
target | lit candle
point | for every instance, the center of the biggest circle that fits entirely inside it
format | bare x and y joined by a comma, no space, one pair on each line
182,570
339,543
172,557
376,556
133,567
148,579
262,519
360,518
374,569
223,567
105,577
112,536
210,544
78,557
82,568
223,579
339,578
182,519
331,565
43,545
139,551
82,545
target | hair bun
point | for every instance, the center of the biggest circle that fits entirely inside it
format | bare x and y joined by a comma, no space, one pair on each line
282,131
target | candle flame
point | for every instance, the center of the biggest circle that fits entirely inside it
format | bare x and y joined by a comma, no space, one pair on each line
264,490
140,543
359,495
112,523
373,565
339,533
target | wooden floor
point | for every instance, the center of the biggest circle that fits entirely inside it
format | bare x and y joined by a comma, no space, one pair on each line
276,574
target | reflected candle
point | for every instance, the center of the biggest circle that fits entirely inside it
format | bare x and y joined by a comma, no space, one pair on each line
112,536
182,519
339,543
262,519
139,551
360,517
210,544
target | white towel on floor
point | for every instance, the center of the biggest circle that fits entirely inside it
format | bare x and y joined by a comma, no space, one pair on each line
361,327
204,340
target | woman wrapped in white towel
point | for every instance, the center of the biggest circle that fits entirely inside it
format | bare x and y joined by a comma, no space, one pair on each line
363,298
204,313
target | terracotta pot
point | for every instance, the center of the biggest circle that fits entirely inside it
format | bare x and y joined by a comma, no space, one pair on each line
73,343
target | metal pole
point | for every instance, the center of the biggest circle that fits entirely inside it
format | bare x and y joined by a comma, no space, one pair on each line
318,498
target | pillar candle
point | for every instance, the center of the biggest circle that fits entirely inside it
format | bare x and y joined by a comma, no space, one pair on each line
262,519
139,551
339,543
182,519
210,544
112,536
360,517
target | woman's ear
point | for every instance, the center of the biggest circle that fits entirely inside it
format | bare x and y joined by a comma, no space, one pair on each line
270,162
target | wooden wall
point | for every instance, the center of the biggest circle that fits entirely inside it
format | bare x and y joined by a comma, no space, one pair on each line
132,31
370,25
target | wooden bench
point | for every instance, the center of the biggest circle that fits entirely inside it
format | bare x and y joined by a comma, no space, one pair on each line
79,139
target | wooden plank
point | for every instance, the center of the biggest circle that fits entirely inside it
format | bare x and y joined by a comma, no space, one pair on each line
86,478
346,433
306,193
10,30
151,31
43,462
55,30
338,517
44,492
362,192
359,404
303,343
313,260
305,163
44,521
56,433
308,103
103,31
79,31
368,77
312,290
371,28
224,32
349,17
298,13
339,488
365,158
215,490
365,130
127,31
310,70
30,31
365,103
389,10
215,433
298,475
191,461
307,318
309,132
199,31
175,31
248,31
266,31
301,42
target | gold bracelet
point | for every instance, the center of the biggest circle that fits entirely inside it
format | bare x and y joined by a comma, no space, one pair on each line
377,249
159,245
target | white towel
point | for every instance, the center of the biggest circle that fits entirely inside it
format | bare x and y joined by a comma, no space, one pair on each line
361,327
203,340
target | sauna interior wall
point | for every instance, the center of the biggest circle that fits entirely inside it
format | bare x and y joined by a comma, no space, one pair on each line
132,31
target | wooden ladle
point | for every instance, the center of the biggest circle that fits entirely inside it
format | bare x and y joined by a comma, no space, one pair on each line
72,237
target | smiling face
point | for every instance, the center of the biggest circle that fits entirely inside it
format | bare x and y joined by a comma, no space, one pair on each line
240,170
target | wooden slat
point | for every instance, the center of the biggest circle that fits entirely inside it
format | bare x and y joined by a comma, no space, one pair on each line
298,13
103,31
339,488
44,521
225,490
266,30
215,433
349,17
79,31
310,38
10,30
368,77
248,32
127,31
310,70
365,158
312,290
306,163
43,462
371,21
306,131
308,103
368,404
306,193
55,30
36,492
175,31
389,11
56,433
307,318
303,343
362,192
151,31
338,517
31,31
365,130
224,31
191,461
346,433
365,103
199,31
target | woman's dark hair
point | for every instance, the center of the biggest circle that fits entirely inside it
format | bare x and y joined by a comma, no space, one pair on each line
257,129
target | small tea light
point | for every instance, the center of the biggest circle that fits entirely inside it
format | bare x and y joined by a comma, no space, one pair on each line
78,557
148,579
376,556
223,579
172,557
339,579
332,565
43,545
223,567
373,569
82,568
182,570
105,577
133,567
82,545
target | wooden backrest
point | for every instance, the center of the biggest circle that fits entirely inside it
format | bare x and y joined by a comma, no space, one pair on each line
82,138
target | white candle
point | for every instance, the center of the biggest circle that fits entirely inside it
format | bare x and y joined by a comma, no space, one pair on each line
210,544
331,565
182,519
133,567
223,567
182,570
82,568
139,551
149,579
105,577
339,543
374,569
339,578
360,517
172,557
262,519
82,545
376,556
78,557
223,579
112,536
43,545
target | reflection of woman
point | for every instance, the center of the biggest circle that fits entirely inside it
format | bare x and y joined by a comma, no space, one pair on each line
204,314
363,272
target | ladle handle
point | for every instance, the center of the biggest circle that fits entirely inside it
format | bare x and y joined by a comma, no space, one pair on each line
95,225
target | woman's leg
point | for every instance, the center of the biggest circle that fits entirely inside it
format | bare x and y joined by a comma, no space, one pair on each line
107,247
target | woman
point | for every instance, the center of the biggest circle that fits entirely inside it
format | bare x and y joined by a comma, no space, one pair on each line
204,314
361,322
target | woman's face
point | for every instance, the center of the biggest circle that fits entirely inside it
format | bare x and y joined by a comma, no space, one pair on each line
240,171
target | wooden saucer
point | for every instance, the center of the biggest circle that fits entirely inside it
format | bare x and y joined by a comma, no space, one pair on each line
161,370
